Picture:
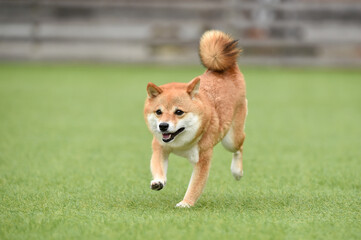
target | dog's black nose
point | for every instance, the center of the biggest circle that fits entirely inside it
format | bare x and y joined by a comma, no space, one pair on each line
163,126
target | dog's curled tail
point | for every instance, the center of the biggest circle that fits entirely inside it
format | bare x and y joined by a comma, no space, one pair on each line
218,51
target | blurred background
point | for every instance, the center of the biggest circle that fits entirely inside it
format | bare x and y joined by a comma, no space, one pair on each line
271,32
75,150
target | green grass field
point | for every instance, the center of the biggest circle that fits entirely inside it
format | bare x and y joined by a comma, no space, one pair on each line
75,151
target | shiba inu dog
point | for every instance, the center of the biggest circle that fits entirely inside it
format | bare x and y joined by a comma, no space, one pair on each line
189,119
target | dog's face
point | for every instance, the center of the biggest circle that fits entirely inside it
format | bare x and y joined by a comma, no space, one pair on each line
173,112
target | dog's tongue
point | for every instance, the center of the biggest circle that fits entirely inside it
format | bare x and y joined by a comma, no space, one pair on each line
166,135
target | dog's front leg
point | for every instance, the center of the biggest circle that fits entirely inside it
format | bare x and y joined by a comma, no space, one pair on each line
198,179
158,166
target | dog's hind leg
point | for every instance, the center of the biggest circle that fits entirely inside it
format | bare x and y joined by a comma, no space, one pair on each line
233,142
237,164
237,149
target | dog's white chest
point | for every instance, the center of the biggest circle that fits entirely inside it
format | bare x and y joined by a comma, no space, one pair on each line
192,154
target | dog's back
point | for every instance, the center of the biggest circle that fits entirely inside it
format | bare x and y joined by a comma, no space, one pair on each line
222,83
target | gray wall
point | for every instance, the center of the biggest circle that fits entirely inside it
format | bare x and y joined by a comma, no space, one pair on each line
274,32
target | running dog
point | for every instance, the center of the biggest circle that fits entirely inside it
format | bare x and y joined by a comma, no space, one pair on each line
189,119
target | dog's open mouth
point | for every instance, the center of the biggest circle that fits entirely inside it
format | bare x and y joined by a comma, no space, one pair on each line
167,137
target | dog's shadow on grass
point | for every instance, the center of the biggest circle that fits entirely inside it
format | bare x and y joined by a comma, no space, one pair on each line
151,200
254,202
220,202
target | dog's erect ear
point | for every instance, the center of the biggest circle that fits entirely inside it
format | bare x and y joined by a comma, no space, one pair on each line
153,90
193,86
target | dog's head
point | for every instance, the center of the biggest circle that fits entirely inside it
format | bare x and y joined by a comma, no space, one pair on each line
173,112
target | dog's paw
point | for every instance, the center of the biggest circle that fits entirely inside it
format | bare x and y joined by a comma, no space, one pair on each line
157,184
183,204
237,174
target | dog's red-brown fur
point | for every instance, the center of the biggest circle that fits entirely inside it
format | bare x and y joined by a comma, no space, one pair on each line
214,102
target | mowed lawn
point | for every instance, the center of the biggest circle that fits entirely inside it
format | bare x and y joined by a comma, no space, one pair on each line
75,151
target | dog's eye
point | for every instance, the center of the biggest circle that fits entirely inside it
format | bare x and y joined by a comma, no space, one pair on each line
158,112
178,112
